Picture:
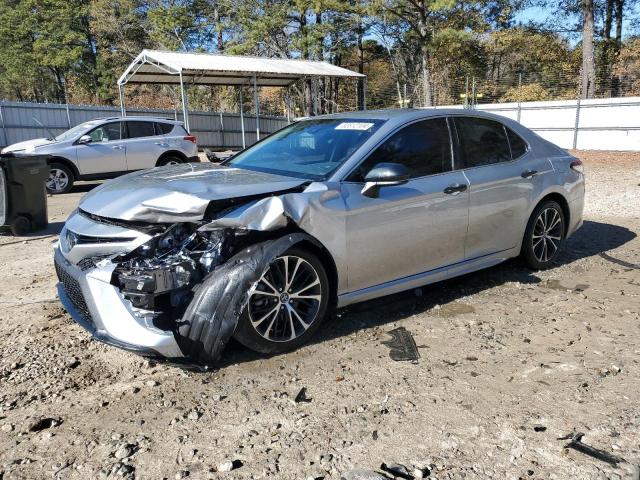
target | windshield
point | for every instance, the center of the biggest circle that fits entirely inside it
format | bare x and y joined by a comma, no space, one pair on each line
311,149
75,131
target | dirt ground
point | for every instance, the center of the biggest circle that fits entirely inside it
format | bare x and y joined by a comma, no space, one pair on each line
510,360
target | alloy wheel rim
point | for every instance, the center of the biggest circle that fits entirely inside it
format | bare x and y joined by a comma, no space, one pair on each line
58,180
285,302
547,234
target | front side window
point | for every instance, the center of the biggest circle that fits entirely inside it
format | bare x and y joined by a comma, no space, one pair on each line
106,133
482,142
310,149
140,129
423,147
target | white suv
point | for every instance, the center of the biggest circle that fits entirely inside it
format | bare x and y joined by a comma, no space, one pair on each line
109,147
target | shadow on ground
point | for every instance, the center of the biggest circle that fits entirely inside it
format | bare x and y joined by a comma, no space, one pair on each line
594,238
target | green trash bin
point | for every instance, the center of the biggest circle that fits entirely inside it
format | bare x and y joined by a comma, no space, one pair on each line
23,197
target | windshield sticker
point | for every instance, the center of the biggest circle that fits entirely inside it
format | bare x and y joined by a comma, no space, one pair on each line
355,126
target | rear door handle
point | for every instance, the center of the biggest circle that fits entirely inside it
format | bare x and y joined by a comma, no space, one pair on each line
117,147
455,189
529,173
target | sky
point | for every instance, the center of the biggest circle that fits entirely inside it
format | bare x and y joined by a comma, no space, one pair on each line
544,16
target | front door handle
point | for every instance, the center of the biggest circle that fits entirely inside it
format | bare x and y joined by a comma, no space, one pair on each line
529,173
117,147
455,189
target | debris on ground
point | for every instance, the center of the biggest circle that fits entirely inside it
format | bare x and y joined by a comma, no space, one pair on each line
403,346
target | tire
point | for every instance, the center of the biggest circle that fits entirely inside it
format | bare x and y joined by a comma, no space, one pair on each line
544,237
281,309
20,226
169,160
60,179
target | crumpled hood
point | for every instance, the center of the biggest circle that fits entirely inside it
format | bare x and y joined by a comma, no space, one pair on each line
27,145
179,193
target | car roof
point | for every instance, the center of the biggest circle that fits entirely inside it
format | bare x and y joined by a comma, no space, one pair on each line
138,117
409,113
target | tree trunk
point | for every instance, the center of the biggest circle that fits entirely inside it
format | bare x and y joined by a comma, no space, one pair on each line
360,52
426,78
588,63
308,95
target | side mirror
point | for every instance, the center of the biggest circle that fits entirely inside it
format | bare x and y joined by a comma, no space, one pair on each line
384,175
84,139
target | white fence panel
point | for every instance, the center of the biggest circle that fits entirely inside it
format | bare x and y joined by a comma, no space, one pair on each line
596,124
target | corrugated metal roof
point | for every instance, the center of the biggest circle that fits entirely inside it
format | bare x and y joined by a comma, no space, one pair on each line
154,66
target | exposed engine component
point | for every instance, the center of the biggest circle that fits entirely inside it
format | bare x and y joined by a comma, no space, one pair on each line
158,275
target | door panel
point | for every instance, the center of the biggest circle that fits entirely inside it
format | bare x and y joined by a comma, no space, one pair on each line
499,202
105,154
143,147
408,229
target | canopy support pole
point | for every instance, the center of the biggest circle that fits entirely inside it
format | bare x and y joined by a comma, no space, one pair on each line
185,113
123,112
364,93
256,101
244,142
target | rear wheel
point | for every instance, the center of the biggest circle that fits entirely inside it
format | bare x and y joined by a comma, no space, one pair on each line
169,160
544,237
287,305
60,178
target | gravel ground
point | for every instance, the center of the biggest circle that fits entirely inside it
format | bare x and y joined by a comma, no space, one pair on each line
510,361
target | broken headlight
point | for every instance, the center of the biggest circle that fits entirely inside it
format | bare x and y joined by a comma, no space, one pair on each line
159,274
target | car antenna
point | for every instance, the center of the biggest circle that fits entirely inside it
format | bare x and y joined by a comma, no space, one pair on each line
53,137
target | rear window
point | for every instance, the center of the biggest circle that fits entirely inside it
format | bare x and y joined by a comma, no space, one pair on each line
518,145
482,141
140,129
163,128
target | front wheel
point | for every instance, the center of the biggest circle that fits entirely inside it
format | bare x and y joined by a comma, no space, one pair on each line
544,236
60,179
287,305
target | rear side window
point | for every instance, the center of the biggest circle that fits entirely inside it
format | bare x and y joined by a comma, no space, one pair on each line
163,128
518,145
482,142
140,129
423,147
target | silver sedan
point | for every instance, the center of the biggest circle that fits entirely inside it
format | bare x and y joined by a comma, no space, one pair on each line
328,211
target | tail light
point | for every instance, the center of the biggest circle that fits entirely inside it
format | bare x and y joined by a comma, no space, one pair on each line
577,166
191,138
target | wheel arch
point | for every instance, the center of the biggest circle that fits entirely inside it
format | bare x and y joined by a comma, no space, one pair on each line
560,200
172,153
67,163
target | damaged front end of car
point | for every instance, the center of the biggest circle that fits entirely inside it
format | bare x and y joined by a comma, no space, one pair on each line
172,291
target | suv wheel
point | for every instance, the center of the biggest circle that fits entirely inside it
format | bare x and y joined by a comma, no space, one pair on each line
60,178
169,160
286,306
544,236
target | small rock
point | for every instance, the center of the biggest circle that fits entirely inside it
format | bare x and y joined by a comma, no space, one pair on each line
182,474
194,414
359,474
395,469
229,465
152,383
539,428
421,472
7,427
72,362
125,451
43,424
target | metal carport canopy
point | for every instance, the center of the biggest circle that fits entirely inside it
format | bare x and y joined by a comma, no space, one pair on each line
179,68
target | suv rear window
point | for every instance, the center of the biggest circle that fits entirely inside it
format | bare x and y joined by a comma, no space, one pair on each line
140,129
163,128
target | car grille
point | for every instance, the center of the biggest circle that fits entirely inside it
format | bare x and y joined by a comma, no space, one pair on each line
74,292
